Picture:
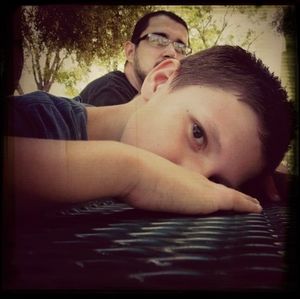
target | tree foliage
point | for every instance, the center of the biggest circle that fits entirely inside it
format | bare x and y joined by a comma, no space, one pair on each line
285,20
213,25
52,33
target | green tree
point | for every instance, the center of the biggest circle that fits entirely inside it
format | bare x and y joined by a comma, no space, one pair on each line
213,25
52,33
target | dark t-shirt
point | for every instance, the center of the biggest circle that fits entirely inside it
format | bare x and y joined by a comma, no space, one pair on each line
110,89
42,115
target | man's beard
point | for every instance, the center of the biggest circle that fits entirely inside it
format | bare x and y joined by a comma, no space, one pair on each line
138,70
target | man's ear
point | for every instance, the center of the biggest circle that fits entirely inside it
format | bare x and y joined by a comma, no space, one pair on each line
158,76
129,49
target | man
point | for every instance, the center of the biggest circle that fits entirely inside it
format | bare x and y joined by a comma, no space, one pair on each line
157,36
179,146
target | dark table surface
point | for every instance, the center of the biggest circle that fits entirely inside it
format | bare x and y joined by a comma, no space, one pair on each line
108,245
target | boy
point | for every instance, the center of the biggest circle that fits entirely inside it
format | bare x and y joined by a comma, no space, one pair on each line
199,128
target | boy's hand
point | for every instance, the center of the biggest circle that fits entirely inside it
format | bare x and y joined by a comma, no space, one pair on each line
164,186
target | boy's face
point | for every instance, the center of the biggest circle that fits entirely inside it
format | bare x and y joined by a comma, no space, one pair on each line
204,129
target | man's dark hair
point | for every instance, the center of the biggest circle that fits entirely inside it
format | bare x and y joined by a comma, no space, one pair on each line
143,23
234,69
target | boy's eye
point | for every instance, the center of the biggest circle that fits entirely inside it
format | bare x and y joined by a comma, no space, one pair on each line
198,134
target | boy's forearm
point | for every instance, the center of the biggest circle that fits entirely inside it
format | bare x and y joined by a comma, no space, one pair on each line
66,171
77,171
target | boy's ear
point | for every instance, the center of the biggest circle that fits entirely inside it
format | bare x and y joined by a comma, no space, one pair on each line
129,49
158,76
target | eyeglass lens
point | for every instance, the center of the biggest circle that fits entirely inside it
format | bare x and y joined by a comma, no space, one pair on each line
158,40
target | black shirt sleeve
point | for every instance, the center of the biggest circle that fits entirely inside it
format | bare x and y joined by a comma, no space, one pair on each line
42,115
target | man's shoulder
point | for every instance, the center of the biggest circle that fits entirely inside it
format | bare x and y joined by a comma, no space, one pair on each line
114,75
114,79
111,89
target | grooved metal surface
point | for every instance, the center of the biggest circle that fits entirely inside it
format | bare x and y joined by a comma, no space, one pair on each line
112,246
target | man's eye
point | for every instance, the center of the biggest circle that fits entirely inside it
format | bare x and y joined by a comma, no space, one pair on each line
157,40
163,41
198,134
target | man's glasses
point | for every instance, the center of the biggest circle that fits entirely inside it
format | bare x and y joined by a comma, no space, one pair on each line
157,40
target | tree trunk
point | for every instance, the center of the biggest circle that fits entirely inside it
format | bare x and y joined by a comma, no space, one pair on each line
19,89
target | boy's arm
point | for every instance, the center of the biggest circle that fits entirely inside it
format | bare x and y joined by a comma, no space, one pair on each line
78,171
65,171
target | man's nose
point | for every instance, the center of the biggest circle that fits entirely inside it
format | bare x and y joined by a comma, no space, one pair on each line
169,51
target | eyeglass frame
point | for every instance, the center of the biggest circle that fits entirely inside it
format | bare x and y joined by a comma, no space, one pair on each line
146,36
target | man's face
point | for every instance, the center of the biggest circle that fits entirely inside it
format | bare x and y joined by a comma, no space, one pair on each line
146,56
204,129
